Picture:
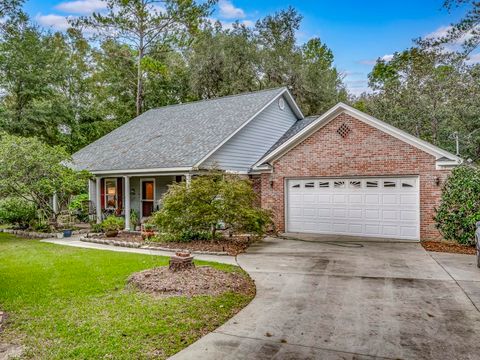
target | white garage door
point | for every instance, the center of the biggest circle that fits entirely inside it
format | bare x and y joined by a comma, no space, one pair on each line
376,207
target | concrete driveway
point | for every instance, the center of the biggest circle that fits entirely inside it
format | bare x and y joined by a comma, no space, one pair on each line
318,300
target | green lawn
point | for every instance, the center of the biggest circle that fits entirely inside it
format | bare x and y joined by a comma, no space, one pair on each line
71,303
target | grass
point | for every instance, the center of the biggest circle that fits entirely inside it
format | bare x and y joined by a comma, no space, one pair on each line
71,303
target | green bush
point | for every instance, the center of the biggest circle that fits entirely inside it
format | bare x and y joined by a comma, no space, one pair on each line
96,228
80,207
460,205
210,200
17,212
113,223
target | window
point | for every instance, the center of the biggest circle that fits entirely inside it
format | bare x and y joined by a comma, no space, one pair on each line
408,183
111,193
355,184
295,186
310,184
389,184
324,184
339,184
372,184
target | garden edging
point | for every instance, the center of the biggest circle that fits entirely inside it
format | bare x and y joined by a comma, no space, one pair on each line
36,235
132,244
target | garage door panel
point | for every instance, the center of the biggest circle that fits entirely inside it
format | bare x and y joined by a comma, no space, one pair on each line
355,214
339,199
372,199
340,213
381,207
372,214
390,215
390,199
355,199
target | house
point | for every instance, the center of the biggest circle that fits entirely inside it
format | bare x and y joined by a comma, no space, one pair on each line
343,172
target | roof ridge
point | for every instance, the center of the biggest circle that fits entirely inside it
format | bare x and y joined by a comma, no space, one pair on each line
218,98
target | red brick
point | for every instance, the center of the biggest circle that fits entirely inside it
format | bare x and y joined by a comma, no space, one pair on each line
365,151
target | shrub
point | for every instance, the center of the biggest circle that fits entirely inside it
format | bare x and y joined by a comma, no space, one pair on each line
460,205
17,212
211,200
134,218
113,223
96,228
80,207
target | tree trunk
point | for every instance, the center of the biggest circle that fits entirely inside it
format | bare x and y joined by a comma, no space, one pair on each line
214,231
139,78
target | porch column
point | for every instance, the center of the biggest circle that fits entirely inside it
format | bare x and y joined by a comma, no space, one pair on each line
55,203
127,202
98,199
188,179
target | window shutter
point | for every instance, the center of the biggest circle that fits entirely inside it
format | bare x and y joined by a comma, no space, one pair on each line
120,193
102,193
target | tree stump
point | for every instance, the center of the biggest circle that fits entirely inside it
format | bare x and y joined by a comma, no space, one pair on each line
181,261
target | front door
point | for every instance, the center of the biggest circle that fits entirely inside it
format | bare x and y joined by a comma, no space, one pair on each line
148,197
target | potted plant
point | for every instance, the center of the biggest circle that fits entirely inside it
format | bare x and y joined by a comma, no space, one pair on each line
112,225
148,231
65,223
134,218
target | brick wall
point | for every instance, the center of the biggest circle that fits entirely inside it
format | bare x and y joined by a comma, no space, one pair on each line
365,151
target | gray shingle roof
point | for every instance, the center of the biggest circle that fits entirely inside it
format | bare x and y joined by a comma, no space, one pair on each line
297,127
172,136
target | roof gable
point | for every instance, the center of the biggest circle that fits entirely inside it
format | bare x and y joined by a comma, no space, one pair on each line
176,136
311,126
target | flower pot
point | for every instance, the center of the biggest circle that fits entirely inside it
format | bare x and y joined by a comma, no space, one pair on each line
67,233
147,234
111,233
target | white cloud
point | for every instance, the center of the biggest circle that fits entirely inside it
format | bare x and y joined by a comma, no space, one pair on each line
474,59
229,11
386,57
81,6
56,22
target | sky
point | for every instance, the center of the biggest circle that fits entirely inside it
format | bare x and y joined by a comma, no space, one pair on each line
358,32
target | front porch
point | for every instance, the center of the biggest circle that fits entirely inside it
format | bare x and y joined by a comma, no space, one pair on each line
119,194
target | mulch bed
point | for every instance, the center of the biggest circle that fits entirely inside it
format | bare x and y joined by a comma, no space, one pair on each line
203,280
233,246
448,247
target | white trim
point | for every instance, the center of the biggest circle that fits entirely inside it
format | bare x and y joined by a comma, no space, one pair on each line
370,120
142,180
126,200
143,171
290,101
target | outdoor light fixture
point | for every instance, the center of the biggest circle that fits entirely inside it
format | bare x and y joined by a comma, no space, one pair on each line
437,181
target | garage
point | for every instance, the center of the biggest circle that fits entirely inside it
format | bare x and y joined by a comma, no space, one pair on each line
384,207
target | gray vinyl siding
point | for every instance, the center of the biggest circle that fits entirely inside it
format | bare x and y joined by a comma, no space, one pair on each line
247,146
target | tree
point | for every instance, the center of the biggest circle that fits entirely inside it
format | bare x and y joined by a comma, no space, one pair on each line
223,62
465,32
460,206
190,211
37,172
430,94
144,24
